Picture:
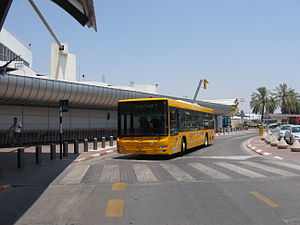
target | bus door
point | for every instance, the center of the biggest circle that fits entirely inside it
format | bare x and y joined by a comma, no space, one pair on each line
174,131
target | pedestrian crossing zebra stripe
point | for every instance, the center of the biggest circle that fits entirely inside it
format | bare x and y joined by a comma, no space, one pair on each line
240,170
284,164
163,172
269,169
143,173
177,173
110,173
209,171
75,175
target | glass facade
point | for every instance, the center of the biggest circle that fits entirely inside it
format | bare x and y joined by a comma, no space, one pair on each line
6,55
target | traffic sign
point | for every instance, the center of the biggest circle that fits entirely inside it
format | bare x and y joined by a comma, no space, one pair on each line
64,105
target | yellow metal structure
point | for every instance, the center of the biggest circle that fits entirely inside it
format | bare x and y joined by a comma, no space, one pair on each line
261,130
170,143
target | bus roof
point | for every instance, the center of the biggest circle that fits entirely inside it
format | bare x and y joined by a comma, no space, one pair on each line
174,103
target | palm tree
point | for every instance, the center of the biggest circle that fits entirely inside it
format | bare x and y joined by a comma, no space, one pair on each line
287,99
262,102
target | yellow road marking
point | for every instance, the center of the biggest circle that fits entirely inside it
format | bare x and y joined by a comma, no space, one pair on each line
114,208
5,186
119,186
264,199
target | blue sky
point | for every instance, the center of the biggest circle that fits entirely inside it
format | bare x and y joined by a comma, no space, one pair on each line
238,45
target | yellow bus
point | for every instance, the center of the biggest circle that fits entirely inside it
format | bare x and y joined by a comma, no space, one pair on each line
162,126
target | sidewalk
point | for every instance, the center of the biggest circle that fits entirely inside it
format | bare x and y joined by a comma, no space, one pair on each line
20,188
262,148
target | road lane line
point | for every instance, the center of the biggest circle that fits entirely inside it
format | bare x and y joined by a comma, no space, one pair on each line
120,186
240,170
75,175
114,208
269,169
110,174
177,173
264,199
209,171
144,173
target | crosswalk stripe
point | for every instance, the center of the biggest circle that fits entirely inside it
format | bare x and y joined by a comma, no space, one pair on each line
75,175
177,173
110,174
284,164
209,171
143,173
240,170
269,168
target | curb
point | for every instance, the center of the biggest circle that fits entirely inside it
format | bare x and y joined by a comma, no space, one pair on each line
262,152
95,155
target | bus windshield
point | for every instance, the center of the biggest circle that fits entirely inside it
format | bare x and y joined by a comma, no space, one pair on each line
142,118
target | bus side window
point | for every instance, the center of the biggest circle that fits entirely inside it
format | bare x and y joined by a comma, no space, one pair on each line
174,121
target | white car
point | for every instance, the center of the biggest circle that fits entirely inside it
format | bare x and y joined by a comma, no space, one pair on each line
283,128
292,134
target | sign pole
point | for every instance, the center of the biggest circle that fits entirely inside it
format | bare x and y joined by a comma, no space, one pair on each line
63,107
60,132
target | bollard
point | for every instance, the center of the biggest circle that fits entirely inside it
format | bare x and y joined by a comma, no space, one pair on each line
52,151
103,142
76,147
261,130
65,149
85,145
111,141
38,154
95,144
21,158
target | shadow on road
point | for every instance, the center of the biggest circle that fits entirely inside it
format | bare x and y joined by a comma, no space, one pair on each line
158,157
27,184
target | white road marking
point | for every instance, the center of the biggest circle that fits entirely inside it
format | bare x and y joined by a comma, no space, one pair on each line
177,173
284,164
110,174
230,157
75,175
143,173
266,153
269,168
209,171
240,170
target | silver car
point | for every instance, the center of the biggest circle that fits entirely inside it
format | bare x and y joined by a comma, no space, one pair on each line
283,128
292,134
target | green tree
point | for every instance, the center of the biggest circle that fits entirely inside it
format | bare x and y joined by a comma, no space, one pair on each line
262,102
287,99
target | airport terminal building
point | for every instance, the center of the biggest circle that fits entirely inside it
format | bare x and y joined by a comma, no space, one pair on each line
92,106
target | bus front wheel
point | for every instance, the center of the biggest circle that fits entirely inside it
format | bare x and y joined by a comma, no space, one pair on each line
206,143
183,147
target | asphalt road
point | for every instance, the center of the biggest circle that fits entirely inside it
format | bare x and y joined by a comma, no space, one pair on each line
224,183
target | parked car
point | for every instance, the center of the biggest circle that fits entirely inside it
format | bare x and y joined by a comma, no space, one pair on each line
292,134
282,129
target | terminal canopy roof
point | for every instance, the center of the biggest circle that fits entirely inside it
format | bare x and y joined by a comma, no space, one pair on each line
81,10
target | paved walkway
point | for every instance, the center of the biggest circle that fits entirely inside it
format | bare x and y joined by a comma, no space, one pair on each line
20,188
261,147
